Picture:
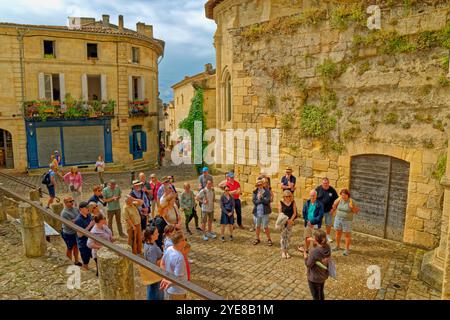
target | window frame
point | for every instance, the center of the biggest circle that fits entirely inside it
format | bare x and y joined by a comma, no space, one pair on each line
53,54
97,51
138,56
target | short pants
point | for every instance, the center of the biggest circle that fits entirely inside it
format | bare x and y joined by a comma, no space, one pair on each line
206,216
69,239
342,225
262,221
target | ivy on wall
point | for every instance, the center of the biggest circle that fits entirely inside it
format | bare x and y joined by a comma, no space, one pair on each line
195,114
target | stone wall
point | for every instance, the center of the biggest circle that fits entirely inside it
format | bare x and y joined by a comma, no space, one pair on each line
379,92
114,62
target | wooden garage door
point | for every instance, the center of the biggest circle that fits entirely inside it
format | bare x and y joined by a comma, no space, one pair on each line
380,186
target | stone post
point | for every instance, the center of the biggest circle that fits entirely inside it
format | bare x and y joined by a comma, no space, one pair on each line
56,224
115,275
33,233
3,216
34,196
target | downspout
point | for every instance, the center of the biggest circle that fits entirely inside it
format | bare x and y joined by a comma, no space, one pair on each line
20,35
157,122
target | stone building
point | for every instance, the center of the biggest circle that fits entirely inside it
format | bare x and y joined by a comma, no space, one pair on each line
184,91
368,109
87,89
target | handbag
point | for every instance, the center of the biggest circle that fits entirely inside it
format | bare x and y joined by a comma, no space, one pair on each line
281,220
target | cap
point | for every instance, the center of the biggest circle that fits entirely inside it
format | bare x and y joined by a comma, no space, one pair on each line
56,151
288,168
153,175
137,183
205,169
166,179
230,174
83,204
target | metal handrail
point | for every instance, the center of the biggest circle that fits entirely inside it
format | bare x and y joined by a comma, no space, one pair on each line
189,286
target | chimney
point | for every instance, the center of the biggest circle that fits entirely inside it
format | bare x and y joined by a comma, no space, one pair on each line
140,27
149,31
105,19
121,23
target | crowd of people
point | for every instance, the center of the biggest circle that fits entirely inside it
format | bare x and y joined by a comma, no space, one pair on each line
152,213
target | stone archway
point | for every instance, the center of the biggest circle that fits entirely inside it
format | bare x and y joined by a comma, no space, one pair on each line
6,150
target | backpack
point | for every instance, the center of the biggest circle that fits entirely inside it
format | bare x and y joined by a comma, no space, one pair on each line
46,178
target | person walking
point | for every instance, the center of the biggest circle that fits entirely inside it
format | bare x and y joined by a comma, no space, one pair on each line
227,207
75,182
144,209
111,196
327,195
84,220
133,220
317,263
68,234
313,215
289,209
101,230
174,264
187,204
100,169
344,208
50,182
261,211
154,186
206,197
153,254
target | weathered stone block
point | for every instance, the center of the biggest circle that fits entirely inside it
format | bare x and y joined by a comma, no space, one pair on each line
423,213
321,165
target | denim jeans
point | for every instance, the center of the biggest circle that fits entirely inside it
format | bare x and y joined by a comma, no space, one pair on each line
153,292
317,290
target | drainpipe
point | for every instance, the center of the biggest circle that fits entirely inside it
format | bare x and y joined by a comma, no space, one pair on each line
20,35
157,122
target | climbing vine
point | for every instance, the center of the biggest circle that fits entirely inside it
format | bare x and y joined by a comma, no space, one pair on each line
195,114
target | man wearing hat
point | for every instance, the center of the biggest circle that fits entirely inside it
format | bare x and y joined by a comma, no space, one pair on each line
204,178
235,191
144,209
288,181
112,194
133,219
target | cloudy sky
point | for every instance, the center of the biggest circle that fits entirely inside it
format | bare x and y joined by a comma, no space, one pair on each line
180,23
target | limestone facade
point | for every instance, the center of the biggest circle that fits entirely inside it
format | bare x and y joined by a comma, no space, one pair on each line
22,60
285,56
184,91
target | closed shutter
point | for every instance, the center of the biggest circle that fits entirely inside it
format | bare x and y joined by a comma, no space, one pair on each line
130,88
62,87
103,87
142,89
144,141
84,87
130,137
41,80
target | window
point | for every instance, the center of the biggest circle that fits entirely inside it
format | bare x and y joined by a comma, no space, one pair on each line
49,49
51,87
92,51
135,52
226,97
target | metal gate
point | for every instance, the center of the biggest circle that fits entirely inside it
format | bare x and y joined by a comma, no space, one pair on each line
379,184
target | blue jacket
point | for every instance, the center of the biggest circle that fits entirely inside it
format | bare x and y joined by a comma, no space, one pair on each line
265,200
318,213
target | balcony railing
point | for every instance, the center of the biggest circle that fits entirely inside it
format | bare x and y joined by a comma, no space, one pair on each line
138,108
41,110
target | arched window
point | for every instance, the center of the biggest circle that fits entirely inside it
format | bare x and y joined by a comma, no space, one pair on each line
227,109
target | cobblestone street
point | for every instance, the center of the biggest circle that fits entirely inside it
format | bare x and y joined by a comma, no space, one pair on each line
235,270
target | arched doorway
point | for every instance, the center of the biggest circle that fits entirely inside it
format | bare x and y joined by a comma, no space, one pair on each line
6,150
380,186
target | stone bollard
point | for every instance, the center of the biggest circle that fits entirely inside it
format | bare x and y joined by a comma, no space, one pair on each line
3,216
34,196
115,275
11,207
33,233
56,224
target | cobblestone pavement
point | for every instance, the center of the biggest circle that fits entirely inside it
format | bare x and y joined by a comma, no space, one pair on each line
239,270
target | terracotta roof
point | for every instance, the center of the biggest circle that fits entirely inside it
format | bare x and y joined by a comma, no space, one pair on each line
94,27
198,76
209,8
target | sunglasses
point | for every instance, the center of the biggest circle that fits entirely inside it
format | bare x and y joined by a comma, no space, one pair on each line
70,201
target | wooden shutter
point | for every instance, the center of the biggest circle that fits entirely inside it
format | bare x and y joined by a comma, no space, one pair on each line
103,87
62,87
130,136
84,87
41,80
144,141
142,88
130,88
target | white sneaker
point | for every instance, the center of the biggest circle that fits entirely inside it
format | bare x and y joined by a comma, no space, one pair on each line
212,235
205,237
